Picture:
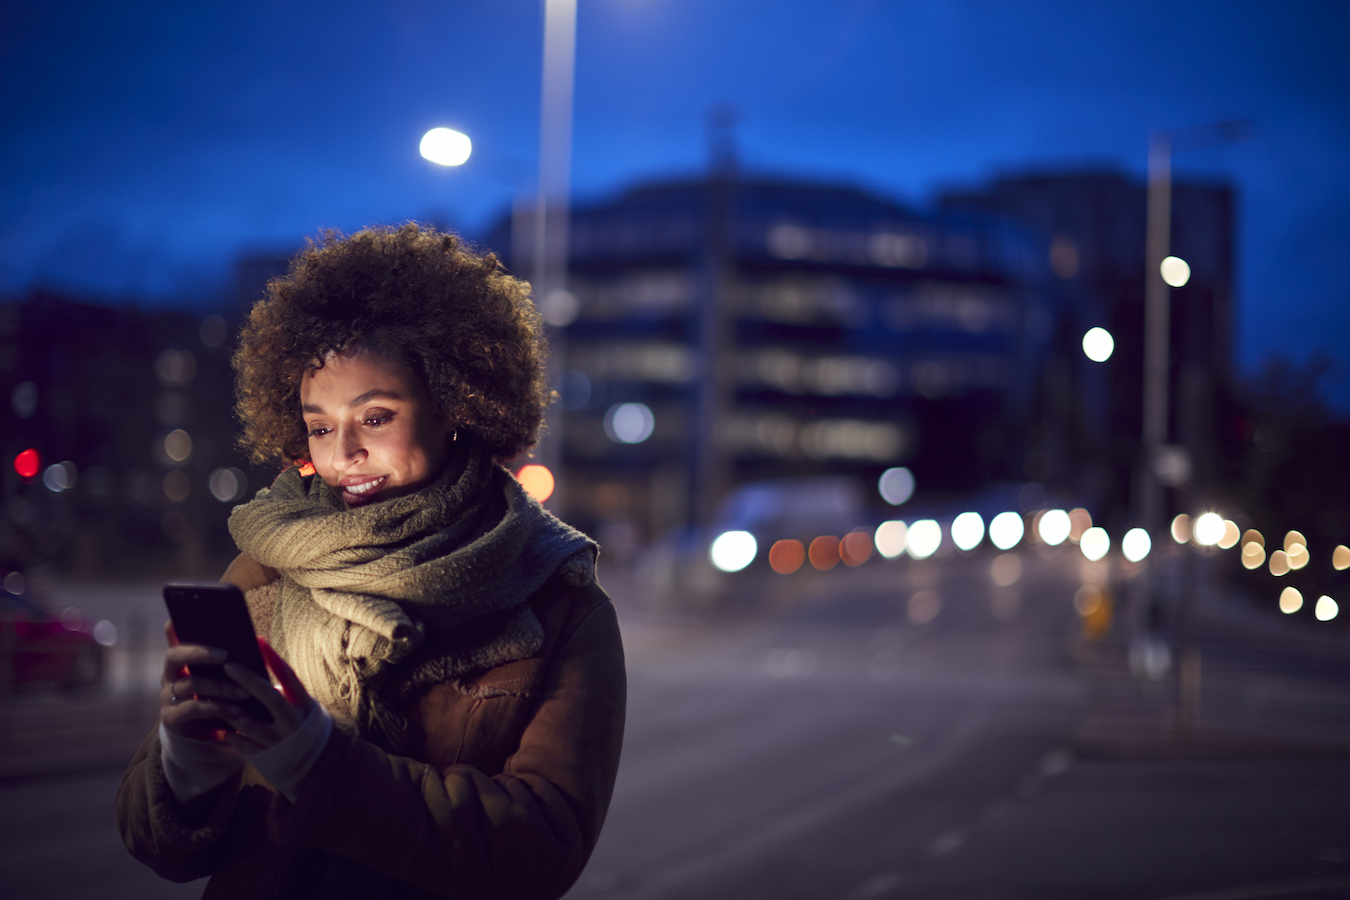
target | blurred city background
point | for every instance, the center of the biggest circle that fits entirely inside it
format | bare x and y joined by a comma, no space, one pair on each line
956,391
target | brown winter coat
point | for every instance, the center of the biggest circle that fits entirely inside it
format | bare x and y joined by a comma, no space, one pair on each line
502,797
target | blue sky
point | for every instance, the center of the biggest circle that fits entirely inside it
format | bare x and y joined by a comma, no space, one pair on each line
146,144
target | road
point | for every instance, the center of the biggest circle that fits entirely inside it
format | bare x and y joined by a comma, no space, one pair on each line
819,742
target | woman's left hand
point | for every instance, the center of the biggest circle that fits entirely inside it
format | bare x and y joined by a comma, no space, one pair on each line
289,705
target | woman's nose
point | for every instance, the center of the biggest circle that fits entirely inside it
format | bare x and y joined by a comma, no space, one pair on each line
350,446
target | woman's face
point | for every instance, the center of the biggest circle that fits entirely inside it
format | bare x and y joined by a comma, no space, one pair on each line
373,429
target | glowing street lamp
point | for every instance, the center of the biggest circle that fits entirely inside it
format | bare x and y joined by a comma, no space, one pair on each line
446,147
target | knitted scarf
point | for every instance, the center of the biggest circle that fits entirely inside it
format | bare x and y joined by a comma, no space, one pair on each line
362,588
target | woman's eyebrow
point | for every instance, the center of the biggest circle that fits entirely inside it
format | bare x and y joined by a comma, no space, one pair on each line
377,393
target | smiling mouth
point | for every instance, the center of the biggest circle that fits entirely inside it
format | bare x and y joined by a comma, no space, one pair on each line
360,492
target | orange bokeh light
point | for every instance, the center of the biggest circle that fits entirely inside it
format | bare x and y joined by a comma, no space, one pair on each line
537,481
824,552
856,548
786,557
27,463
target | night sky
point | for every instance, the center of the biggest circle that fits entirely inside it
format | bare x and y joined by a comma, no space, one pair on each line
147,144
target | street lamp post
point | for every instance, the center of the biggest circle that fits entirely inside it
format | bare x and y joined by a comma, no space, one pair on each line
550,226
1160,460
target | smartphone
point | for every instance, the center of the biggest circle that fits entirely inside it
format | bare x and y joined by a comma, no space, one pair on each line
215,615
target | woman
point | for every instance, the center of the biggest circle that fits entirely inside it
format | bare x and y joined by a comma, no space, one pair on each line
453,686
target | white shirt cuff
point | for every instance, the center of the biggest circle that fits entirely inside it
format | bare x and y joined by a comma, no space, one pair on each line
286,764
193,767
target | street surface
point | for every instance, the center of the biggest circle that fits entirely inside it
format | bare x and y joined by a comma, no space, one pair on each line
900,730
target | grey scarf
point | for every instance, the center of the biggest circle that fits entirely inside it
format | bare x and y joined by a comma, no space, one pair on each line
362,588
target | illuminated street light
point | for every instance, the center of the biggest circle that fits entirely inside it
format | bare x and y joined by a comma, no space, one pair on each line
1098,344
1175,271
446,147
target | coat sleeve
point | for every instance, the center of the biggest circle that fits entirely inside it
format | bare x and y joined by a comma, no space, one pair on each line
179,842
524,833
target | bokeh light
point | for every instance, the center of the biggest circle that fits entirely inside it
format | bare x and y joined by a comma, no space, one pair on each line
1252,536
1098,344
1294,537
1080,520
105,632
891,538
733,550
446,147
1006,530
537,481
1291,601
1095,543
1006,569
967,530
1279,563
178,445
177,486
1340,558
629,423
27,463
855,549
1253,555
1208,529
59,477
786,556
1231,533
1298,556
1136,544
1181,528
896,485
824,552
925,536
1054,527
1175,271
1326,609
227,485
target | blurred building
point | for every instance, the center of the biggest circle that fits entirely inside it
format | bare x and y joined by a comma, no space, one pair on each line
1093,223
122,419
727,330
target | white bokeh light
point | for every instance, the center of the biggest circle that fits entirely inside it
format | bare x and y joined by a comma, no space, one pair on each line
968,530
1095,543
1054,527
1098,344
891,538
733,550
446,147
629,423
1175,271
896,485
1326,609
1136,544
1006,530
925,536
1208,529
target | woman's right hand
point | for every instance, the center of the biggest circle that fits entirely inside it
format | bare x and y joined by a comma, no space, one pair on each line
194,706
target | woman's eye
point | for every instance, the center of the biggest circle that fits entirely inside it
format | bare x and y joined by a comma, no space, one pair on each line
318,431
378,419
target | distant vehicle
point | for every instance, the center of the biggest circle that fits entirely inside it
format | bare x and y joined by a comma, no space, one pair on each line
40,649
